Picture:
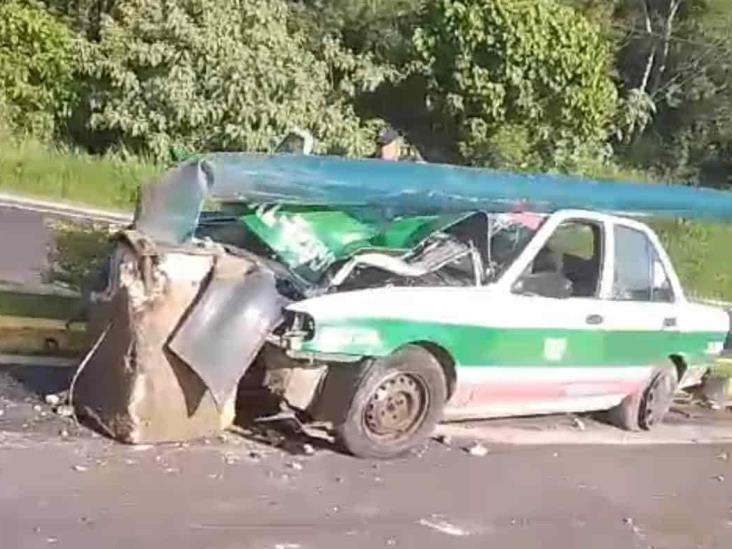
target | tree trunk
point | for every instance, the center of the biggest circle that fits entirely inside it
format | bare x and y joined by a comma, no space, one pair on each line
652,54
673,10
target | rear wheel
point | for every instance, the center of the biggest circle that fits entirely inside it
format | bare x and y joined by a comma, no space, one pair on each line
647,408
395,404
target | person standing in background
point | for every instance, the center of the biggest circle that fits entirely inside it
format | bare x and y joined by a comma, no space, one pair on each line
389,147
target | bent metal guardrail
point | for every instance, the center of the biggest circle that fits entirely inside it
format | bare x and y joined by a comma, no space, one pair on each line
64,210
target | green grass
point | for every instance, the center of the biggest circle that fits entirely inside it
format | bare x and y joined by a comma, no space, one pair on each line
723,368
700,253
31,169
36,306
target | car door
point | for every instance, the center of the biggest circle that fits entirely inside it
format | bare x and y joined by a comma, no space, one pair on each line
641,312
552,340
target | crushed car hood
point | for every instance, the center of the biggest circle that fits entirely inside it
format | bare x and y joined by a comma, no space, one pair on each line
311,239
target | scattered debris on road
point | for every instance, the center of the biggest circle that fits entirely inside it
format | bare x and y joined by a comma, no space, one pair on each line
444,439
80,468
578,423
715,392
724,456
636,530
681,411
477,450
443,526
64,410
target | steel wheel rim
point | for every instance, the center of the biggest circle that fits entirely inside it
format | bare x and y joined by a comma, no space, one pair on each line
396,408
656,402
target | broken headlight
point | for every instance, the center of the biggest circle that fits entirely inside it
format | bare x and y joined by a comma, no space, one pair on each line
298,328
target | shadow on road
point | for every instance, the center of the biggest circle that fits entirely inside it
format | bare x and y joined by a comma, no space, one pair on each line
33,382
261,418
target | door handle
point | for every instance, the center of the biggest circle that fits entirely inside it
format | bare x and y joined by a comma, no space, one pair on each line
669,322
594,319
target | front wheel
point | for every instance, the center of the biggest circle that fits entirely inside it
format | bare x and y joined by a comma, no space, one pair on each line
395,404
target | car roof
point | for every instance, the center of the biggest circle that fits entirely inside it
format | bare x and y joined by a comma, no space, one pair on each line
600,216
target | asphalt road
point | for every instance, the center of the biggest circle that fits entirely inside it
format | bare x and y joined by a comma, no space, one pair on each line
80,493
24,240
61,486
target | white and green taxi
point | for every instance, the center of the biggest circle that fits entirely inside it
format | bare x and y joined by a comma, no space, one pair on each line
383,298
572,312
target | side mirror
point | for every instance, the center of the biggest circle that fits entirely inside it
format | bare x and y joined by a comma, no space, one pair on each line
546,284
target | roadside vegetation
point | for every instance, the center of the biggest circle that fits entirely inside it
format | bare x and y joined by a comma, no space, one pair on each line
34,169
96,96
31,305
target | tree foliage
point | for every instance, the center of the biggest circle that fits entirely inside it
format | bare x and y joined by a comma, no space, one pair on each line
84,16
36,67
673,59
691,136
526,83
219,74
381,27
545,84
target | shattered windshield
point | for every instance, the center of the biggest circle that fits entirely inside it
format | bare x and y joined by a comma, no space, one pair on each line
312,242
508,235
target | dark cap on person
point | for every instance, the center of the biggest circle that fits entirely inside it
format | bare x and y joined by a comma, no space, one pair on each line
387,136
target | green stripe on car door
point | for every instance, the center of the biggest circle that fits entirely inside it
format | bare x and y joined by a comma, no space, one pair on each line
475,345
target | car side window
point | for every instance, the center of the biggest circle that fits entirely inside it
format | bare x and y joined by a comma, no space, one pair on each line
639,273
569,264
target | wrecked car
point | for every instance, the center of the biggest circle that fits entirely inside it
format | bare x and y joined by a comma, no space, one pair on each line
382,298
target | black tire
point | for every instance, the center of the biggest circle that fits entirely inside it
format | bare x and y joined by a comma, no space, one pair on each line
625,415
388,424
646,408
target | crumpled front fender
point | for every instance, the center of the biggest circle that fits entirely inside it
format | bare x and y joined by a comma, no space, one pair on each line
227,326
